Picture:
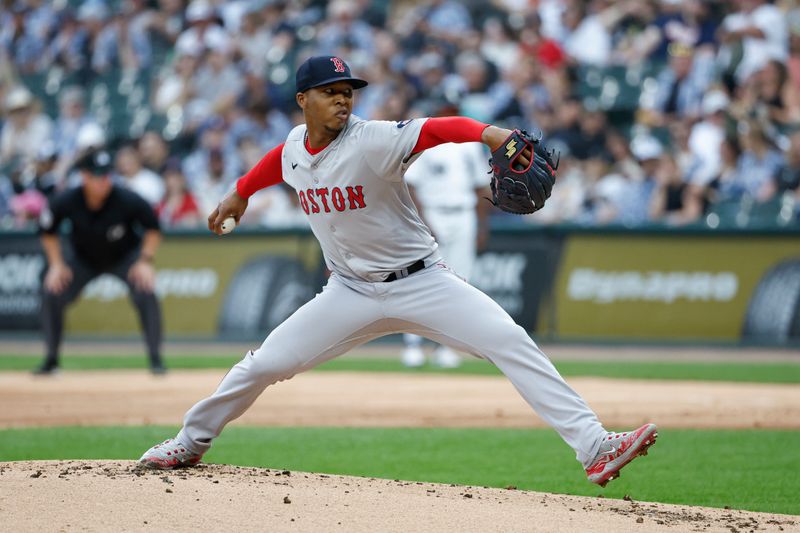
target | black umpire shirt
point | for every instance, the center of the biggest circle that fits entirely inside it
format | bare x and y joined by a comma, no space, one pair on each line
101,238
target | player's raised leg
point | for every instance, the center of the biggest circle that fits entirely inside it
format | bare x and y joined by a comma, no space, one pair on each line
460,315
336,320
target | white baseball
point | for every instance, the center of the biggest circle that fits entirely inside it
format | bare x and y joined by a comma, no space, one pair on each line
228,224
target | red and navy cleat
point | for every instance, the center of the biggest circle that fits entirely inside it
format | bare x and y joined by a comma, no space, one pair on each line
619,449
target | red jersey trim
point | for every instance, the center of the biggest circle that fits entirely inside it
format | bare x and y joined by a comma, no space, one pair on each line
312,151
440,130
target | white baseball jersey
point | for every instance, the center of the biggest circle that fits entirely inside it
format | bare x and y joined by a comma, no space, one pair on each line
446,176
357,203
444,179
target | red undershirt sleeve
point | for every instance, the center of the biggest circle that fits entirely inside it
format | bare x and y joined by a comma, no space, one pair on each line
440,130
265,173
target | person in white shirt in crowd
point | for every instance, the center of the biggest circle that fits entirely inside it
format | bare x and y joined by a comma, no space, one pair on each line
112,39
706,138
276,208
72,119
447,19
218,81
761,30
251,41
345,25
260,121
587,38
605,180
551,13
446,184
681,87
174,89
25,129
615,198
137,178
473,82
634,203
214,139
498,46
203,29
757,166
567,202
212,181
90,136
273,207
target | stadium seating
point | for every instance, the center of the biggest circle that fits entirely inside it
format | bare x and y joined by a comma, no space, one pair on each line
615,88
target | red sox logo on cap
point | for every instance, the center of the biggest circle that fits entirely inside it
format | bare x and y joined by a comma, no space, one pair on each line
316,72
338,64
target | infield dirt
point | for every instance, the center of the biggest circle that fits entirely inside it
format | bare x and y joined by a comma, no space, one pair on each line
363,399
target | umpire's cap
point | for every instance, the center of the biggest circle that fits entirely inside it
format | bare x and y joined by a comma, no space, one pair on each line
96,161
322,70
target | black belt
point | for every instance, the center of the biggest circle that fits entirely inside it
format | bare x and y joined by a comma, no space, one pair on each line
416,267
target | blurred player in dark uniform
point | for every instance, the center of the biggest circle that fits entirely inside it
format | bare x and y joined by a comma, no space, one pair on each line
112,230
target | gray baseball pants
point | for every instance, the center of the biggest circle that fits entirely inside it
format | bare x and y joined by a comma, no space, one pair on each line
433,302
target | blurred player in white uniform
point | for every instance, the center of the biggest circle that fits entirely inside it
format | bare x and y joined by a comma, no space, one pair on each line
446,183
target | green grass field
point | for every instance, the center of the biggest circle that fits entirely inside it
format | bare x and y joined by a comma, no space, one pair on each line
705,371
752,470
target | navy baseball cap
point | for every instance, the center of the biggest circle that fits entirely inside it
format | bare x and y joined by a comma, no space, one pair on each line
322,70
96,162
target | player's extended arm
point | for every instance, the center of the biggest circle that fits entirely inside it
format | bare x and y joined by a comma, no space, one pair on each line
440,130
265,173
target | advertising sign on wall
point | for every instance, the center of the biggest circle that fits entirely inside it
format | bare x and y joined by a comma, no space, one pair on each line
206,288
21,265
661,287
560,285
517,271
194,275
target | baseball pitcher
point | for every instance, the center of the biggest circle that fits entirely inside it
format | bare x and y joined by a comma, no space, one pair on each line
387,274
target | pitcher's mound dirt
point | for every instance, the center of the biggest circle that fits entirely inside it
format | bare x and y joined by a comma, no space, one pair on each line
118,496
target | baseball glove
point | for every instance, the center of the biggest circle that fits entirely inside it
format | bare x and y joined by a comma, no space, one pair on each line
517,188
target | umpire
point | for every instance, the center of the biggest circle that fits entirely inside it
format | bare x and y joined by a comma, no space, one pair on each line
112,230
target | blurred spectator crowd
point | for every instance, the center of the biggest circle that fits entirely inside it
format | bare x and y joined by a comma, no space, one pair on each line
668,112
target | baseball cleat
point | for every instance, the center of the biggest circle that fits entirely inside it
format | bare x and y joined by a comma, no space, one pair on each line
46,370
413,357
168,455
444,357
158,370
619,449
